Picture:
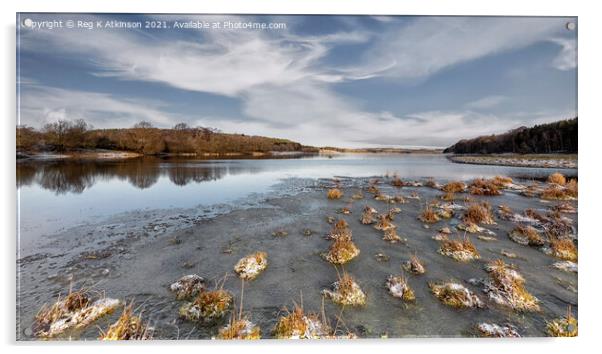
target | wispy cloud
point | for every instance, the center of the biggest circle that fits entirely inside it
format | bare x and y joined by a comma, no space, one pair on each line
487,102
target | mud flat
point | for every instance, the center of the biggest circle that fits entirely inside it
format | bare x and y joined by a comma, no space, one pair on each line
540,161
136,256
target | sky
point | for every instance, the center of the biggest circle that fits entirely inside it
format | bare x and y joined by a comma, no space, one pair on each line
347,81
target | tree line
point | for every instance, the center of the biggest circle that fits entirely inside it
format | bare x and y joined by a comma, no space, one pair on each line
144,138
556,137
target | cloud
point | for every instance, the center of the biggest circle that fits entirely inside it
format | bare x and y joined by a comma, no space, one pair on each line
567,58
42,104
487,102
282,80
430,44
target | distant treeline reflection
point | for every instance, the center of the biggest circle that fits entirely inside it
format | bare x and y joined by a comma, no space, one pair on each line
67,176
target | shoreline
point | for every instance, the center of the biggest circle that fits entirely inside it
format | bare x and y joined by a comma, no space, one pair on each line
531,160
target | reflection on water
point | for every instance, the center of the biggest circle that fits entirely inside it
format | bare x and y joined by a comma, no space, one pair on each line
76,176
55,195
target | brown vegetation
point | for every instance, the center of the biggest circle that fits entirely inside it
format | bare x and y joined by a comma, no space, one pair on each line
479,214
454,187
146,139
128,327
506,287
526,235
428,215
557,178
334,193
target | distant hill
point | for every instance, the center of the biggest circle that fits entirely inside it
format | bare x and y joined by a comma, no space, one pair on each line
68,136
557,137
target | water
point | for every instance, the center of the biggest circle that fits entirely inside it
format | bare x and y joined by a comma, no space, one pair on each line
124,209
56,195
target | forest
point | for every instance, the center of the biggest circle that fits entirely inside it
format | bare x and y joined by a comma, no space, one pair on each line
144,138
556,137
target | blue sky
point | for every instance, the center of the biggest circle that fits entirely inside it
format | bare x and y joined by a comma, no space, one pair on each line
349,81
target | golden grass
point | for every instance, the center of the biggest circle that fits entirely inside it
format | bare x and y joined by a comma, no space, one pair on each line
564,249
74,301
384,223
454,187
346,291
340,229
241,329
479,214
572,188
556,192
127,327
293,324
557,178
341,251
75,311
460,250
502,180
507,287
251,266
428,215
526,235
455,295
208,305
334,193
563,326
482,186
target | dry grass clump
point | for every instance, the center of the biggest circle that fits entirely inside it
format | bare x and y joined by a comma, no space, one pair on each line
479,214
455,295
280,233
482,186
207,306
497,331
505,212
241,329
398,287
460,250
428,215
557,178
368,215
75,311
391,235
572,188
251,266
188,286
384,223
563,326
506,287
346,291
334,193
502,181
339,229
128,327
414,265
555,192
454,187
298,325
397,182
341,251
564,249
526,235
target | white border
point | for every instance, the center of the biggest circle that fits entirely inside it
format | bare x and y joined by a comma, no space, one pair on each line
589,107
